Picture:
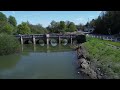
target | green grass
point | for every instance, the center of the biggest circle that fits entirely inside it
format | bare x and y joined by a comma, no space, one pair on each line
105,57
113,43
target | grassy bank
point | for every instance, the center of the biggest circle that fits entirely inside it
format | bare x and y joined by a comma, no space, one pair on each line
103,56
8,44
112,43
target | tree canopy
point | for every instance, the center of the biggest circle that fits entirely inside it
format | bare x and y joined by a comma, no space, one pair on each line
3,17
107,23
23,28
12,21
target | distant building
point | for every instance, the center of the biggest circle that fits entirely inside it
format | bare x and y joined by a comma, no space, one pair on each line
88,30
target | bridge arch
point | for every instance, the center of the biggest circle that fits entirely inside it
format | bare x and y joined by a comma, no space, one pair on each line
41,42
64,41
27,41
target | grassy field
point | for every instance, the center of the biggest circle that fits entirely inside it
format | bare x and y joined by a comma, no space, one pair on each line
104,56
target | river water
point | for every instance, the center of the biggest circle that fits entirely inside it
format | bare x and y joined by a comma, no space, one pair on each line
40,62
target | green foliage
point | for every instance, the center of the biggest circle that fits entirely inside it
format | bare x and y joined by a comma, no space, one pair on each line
72,27
3,17
23,28
12,21
37,29
2,24
107,23
61,27
8,44
106,57
7,28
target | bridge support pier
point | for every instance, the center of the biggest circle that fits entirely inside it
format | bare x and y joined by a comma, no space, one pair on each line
71,40
59,40
47,39
21,40
34,40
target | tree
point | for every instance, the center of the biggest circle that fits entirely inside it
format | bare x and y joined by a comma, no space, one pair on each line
72,27
62,26
23,28
55,26
108,20
37,29
7,28
12,21
3,21
3,17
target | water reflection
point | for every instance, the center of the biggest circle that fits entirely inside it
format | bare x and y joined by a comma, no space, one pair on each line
64,42
45,48
53,42
9,61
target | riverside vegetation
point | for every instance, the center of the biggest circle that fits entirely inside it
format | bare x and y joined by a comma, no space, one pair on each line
8,44
103,57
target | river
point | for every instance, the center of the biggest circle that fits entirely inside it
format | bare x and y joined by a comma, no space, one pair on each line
40,62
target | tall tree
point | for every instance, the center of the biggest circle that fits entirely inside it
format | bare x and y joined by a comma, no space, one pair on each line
12,21
7,28
108,22
23,28
72,27
62,26
3,17
3,21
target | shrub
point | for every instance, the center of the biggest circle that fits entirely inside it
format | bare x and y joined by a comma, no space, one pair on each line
8,44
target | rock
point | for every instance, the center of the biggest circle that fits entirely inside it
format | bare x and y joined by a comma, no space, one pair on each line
98,69
85,65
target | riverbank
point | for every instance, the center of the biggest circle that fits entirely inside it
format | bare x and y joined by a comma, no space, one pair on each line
85,64
98,60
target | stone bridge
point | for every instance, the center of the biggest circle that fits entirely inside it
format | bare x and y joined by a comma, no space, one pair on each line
51,38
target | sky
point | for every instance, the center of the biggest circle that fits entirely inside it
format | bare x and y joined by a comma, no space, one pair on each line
45,17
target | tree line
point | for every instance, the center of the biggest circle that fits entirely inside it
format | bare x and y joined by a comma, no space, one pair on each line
108,22
9,26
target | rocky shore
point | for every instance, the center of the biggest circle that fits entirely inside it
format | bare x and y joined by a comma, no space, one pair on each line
86,67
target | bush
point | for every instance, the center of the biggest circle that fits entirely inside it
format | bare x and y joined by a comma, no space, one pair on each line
8,44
